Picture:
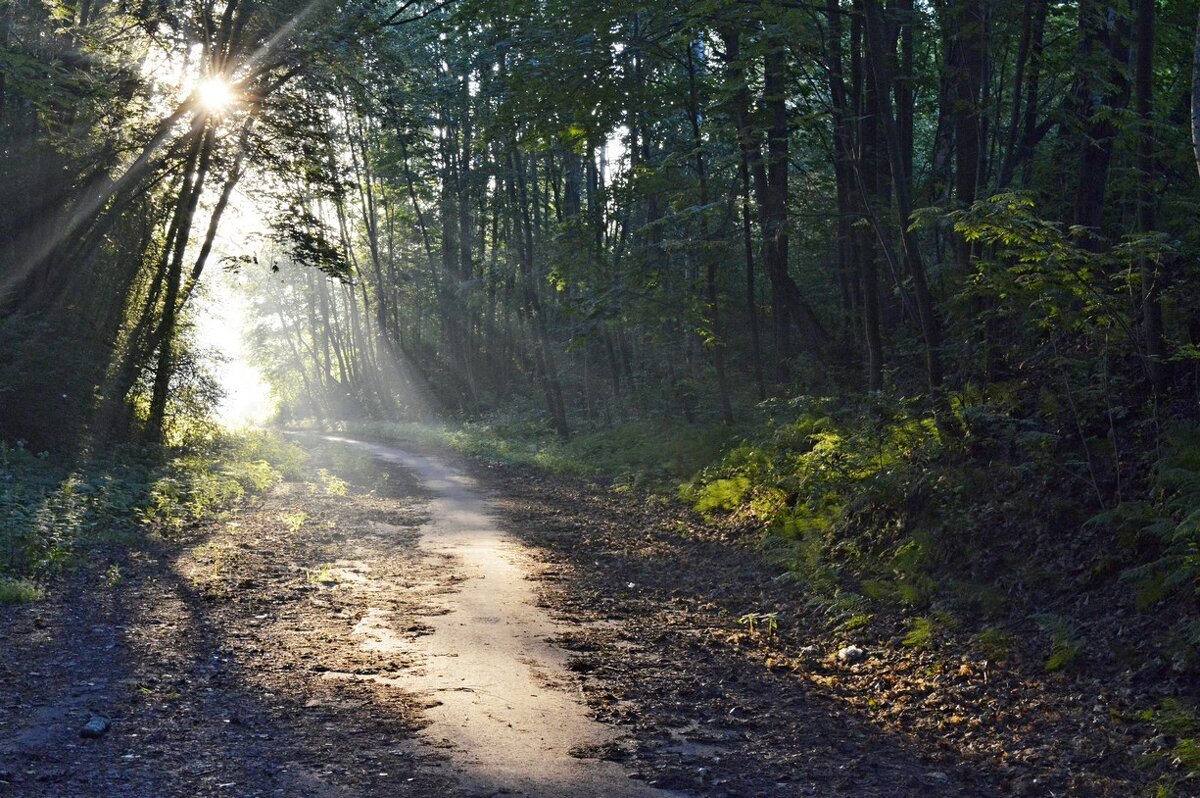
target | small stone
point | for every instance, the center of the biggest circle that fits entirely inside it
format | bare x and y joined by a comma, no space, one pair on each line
94,728
851,654
810,651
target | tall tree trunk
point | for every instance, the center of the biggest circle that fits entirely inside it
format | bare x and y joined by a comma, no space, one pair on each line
1103,39
543,356
1025,89
964,36
850,152
751,297
774,205
770,177
927,314
717,334
1196,96
198,160
1152,318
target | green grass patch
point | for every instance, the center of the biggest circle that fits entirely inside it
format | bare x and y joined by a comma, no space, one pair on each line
19,591
52,512
1066,643
1177,725
995,644
654,454
293,521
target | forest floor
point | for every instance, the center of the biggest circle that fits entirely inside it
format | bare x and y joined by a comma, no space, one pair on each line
407,623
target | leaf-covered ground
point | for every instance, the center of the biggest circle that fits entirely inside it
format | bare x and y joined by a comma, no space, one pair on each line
210,652
719,709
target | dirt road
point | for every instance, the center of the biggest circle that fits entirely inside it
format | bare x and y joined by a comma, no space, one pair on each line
406,624
505,711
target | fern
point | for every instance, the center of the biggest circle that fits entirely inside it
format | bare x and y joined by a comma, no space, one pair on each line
1066,644
1174,520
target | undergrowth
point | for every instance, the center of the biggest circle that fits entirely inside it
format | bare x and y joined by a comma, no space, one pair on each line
877,505
651,454
51,512
1175,749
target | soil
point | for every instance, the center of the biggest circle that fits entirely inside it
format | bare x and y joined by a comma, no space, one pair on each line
409,624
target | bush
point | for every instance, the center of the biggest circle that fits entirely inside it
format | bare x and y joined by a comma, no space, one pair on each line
18,591
49,512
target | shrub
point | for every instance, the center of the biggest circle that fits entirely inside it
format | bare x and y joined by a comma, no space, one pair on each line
49,512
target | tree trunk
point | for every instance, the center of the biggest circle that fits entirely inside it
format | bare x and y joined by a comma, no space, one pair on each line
189,197
1196,96
770,177
1152,318
717,335
927,314
1103,38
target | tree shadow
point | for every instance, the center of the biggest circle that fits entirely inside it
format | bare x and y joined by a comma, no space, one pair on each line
712,715
199,702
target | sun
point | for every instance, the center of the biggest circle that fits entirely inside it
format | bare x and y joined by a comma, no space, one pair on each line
215,94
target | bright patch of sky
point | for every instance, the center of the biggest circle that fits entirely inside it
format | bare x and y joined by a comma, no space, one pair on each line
224,316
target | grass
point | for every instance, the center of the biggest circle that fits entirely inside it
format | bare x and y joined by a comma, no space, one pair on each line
1178,725
650,453
52,513
19,591
293,520
323,575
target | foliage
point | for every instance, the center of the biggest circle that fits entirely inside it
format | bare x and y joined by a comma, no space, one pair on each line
1170,518
924,631
816,467
1178,726
293,520
995,644
50,513
766,620
652,454
18,591
1066,645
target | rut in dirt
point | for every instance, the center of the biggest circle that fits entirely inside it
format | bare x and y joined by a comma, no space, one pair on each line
504,707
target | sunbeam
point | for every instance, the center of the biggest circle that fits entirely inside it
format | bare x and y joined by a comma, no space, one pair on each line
212,96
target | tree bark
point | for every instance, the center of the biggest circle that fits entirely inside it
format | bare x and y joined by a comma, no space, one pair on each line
1103,37
189,197
927,314
1152,317
717,335
1196,96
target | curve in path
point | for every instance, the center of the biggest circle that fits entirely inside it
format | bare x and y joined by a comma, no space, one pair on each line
505,715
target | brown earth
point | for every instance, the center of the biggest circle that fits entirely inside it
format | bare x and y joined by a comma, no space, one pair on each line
292,649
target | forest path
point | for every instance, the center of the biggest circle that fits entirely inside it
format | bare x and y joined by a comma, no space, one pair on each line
503,704
404,624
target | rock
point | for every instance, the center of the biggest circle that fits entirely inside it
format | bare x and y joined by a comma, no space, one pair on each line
1161,741
96,727
851,654
810,651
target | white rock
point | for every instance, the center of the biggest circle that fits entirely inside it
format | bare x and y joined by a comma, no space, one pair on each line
851,654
